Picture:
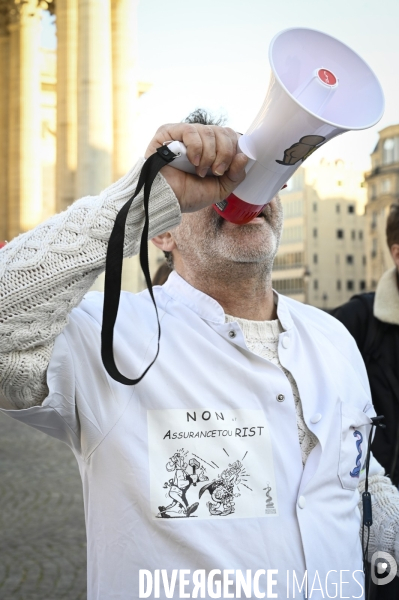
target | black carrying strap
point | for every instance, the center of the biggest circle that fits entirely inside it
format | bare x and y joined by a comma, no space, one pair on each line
114,260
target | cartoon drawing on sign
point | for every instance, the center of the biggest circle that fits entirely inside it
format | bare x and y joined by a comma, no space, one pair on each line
180,484
190,469
220,468
356,471
222,491
301,150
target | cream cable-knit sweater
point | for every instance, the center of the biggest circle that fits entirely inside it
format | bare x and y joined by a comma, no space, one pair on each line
45,273
261,338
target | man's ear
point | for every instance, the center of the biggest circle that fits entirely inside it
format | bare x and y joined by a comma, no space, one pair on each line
164,242
395,254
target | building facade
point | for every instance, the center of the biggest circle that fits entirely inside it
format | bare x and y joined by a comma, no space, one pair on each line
382,191
67,118
322,259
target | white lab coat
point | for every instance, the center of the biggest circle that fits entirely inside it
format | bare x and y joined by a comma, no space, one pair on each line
172,441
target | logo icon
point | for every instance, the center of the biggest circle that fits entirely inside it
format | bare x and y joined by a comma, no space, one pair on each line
383,568
327,77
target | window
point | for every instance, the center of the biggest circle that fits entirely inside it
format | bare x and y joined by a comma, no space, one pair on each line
349,259
349,285
360,235
340,234
373,192
315,284
337,208
289,260
315,232
353,234
292,208
289,286
388,150
362,285
314,206
364,261
315,259
351,209
386,185
292,234
338,285
337,259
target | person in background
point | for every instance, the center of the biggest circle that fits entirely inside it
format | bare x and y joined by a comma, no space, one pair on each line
161,274
373,320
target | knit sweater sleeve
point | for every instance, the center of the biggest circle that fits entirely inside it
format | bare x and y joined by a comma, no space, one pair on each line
384,532
45,273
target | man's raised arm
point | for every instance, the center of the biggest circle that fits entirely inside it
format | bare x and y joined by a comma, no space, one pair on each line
45,273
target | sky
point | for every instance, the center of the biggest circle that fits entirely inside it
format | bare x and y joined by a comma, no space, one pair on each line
214,54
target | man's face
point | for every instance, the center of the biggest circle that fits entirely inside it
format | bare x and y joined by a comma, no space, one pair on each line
205,239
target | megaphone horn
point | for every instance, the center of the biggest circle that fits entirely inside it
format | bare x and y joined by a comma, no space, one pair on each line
319,89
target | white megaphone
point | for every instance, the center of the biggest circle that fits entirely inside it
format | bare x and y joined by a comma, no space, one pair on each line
319,89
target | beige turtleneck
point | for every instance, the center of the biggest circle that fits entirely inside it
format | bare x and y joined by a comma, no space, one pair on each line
261,338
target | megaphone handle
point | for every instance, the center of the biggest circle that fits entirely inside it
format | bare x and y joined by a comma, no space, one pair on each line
183,164
232,208
181,161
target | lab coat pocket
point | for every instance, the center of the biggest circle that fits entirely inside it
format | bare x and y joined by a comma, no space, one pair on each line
355,430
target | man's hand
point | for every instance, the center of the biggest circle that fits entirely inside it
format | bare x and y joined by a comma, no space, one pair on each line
208,147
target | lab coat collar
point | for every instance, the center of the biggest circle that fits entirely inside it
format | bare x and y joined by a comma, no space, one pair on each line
208,308
203,305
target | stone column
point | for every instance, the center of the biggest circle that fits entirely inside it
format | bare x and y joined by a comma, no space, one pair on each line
67,65
125,88
94,167
4,70
24,167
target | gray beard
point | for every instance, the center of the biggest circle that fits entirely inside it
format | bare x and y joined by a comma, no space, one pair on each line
225,257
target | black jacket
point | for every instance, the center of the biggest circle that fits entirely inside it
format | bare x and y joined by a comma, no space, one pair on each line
378,343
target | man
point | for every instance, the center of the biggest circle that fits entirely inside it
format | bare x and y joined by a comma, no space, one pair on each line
178,487
247,383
